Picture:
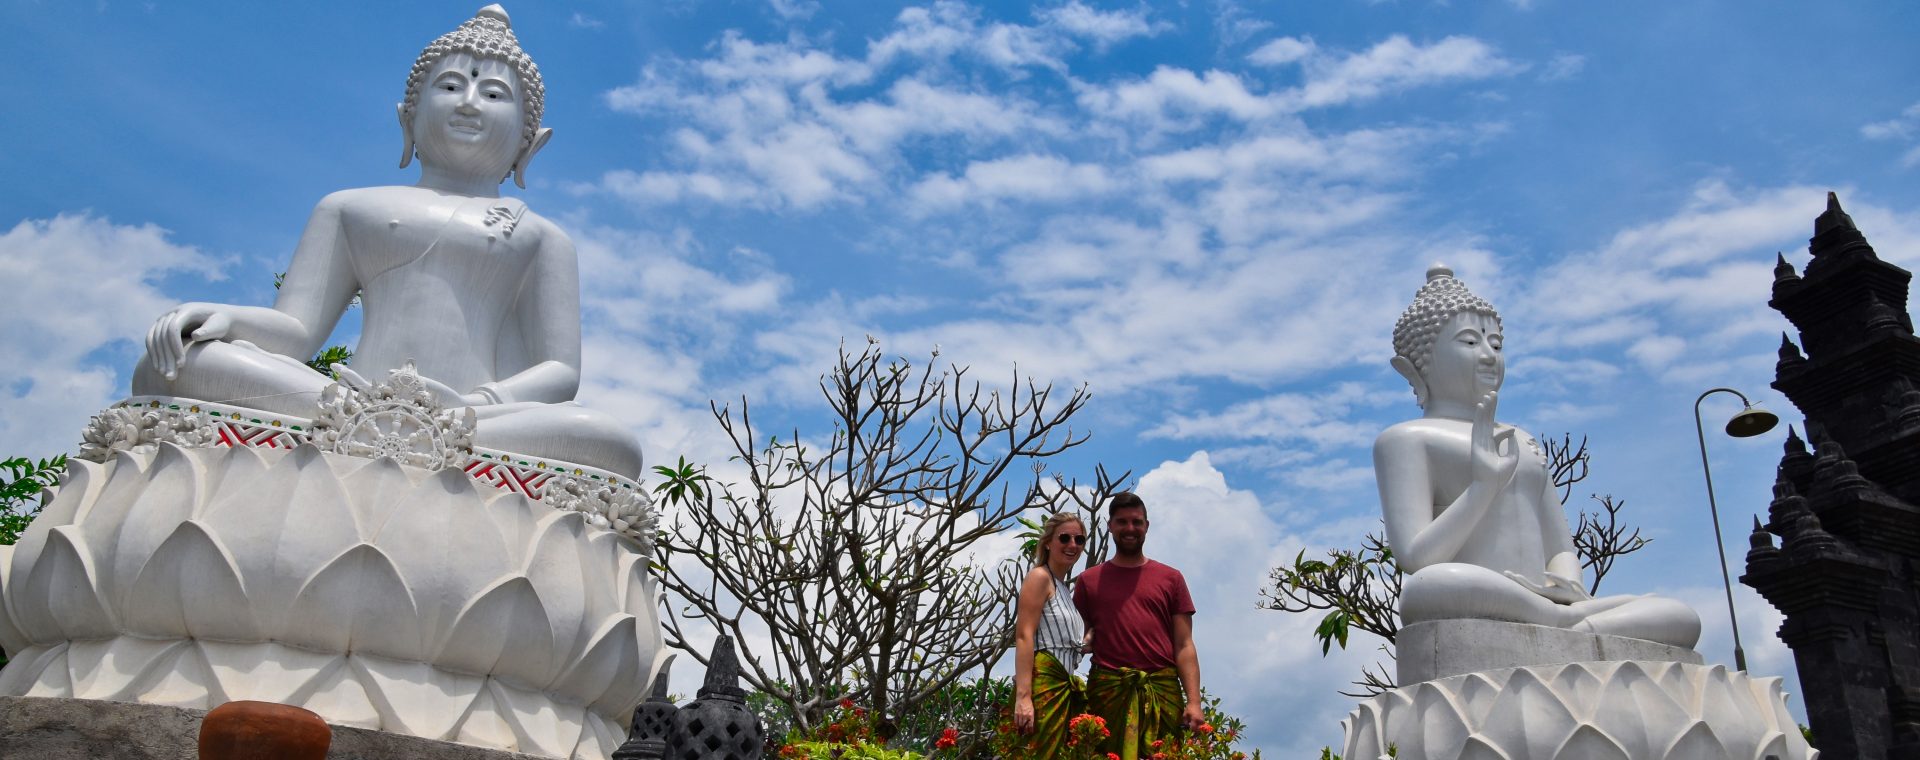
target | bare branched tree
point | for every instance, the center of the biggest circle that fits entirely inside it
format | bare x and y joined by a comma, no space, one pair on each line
849,568
1360,588
1601,539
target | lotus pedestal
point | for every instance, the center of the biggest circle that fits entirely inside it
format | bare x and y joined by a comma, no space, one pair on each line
376,594
1546,707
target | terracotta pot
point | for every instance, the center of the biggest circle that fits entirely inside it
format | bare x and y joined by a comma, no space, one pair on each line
263,731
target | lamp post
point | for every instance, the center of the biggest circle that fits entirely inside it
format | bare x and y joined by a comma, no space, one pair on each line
1747,423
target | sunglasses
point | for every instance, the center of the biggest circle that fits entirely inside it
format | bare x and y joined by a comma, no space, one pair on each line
1069,538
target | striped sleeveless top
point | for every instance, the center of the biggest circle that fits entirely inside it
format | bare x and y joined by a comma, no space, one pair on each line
1061,630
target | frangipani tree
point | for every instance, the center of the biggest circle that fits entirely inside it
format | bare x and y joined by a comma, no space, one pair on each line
854,568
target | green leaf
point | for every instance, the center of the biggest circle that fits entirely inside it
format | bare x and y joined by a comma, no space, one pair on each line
1333,627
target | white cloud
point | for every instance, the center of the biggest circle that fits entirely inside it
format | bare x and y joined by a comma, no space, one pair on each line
1026,178
1322,420
1232,24
1706,266
1171,92
1398,63
1103,27
1655,352
1899,129
794,10
1283,51
1176,99
583,21
951,28
764,125
82,292
1563,66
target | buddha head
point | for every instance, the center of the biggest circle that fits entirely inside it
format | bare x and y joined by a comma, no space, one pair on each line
474,101
1449,341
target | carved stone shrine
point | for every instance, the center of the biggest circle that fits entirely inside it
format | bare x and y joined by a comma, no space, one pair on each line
1847,497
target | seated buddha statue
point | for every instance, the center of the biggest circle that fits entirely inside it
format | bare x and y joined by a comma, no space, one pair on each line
480,294
1472,514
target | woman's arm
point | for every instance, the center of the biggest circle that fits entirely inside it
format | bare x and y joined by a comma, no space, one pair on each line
1026,625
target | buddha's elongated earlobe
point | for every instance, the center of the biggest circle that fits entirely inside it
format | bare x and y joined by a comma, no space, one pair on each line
406,136
540,138
1406,369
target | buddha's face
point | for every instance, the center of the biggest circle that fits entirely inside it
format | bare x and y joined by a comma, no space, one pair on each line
1467,361
470,119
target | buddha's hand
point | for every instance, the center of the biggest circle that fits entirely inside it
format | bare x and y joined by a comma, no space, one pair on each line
185,325
1558,589
1492,469
450,397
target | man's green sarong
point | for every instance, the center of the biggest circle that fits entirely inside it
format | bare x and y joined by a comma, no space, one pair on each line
1139,707
1058,696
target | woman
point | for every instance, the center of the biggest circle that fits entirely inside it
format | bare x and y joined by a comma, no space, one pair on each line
1048,635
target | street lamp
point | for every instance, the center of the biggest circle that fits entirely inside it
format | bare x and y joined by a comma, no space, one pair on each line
1748,423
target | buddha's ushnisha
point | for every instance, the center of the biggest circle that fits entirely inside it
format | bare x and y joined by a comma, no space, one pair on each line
1471,511
481,294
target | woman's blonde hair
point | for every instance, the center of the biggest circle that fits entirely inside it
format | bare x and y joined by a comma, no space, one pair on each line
1044,550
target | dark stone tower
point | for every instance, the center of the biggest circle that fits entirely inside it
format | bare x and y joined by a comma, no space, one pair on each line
1848,511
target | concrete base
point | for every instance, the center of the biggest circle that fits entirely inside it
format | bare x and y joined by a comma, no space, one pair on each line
1444,648
49,728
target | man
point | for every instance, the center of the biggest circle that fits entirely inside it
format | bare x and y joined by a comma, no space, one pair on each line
1146,673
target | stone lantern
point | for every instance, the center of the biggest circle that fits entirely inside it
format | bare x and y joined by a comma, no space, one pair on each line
718,725
651,735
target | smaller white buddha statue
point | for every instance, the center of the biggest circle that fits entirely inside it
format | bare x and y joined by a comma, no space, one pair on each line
1471,511
480,294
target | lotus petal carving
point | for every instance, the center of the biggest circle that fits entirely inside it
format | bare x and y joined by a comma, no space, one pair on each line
373,593
1584,710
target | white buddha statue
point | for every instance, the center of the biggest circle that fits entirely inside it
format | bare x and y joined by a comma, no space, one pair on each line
482,295
1471,511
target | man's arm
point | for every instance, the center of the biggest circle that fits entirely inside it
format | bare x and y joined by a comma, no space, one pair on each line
1186,662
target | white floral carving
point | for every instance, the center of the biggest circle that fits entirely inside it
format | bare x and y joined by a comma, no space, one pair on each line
606,505
399,418
130,428
1627,710
375,594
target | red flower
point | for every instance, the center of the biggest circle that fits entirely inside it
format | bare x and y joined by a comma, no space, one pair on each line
846,703
1159,756
1113,756
948,739
1206,728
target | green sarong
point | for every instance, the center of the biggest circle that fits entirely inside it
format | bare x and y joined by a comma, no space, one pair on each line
1139,706
1058,696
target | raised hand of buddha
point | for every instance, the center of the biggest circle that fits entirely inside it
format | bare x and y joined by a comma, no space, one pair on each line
1492,469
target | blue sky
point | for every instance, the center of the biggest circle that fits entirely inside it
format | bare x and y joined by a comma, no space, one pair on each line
1211,212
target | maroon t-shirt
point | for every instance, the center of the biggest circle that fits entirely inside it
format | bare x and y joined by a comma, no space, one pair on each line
1130,610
